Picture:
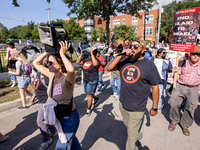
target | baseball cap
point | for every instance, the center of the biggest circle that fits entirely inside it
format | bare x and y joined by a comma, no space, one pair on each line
9,41
142,42
29,42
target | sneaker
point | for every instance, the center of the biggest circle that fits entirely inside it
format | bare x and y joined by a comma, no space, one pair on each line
52,134
96,101
13,85
88,112
114,95
44,145
98,89
21,107
172,127
4,138
117,97
103,87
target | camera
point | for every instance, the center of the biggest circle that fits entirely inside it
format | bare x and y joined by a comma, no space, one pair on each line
51,36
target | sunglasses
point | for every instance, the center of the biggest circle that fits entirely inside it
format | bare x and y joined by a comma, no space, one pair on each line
50,63
136,46
195,54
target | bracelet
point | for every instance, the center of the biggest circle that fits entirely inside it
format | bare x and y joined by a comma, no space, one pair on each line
92,55
155,109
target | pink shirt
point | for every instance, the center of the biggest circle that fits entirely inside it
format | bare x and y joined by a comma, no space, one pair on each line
188,74
11,50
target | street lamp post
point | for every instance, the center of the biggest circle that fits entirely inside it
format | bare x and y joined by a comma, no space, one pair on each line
146,12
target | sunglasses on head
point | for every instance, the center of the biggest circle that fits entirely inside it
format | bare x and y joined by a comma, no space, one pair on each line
198,54
136,46
50,63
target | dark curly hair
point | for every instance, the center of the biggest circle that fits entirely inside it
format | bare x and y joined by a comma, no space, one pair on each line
59,60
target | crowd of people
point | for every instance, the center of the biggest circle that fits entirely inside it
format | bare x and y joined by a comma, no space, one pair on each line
138,68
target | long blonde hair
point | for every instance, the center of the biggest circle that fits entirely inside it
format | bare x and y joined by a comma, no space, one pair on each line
22,57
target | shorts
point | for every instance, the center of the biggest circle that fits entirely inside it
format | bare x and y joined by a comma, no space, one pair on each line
90,87
11,64
22,83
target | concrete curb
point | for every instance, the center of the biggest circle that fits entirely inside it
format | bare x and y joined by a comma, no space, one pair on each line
6,106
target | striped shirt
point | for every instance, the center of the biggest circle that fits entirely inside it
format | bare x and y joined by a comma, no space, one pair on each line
189,74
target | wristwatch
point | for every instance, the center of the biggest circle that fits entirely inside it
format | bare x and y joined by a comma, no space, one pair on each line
155,109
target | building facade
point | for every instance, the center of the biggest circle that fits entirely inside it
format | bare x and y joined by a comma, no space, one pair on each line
150,27
89,24
150,24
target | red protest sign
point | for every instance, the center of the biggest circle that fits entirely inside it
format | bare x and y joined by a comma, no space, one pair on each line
185,30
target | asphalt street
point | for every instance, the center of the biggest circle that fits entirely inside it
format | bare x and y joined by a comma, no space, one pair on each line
103,130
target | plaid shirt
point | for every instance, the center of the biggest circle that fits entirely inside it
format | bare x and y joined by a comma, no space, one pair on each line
188,74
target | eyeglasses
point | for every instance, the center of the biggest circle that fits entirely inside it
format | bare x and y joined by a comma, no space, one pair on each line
50,63
195,54
136,46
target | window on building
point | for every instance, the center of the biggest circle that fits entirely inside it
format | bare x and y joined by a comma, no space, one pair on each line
136,31
116,22
81,22
89,22
88,29
123,21
134,21
148,31
149,20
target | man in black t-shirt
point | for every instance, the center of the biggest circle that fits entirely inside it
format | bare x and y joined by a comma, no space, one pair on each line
90,77
29,49
138,74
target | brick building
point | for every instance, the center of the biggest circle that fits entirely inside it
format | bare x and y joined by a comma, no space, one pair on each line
150,29
89,24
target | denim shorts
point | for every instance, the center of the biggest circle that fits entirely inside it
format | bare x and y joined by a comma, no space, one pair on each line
90,87
22,83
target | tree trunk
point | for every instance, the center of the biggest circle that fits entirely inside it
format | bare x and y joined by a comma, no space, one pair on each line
107,29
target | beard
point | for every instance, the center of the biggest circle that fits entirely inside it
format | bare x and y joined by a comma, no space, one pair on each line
135,58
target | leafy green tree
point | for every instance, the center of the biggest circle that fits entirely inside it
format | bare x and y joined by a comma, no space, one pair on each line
97,33
167,15
125,32
74,31
104,8
4,32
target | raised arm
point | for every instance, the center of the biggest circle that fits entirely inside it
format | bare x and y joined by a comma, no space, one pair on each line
68,65
78,61
37,63
94,61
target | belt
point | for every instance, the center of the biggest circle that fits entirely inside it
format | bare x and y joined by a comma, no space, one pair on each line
191,86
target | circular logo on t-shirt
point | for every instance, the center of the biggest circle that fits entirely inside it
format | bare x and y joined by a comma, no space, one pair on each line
36,82
131,74
87,65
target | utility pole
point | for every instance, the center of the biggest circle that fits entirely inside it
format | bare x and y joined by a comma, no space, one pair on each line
48,14
159,22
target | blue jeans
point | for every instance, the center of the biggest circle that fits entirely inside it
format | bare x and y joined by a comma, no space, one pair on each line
90,87
112,84
100,77
69,125
162,87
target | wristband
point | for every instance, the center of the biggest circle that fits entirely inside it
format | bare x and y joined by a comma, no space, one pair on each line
92,55
155,109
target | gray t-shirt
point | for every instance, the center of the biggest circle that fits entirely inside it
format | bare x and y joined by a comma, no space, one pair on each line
19,65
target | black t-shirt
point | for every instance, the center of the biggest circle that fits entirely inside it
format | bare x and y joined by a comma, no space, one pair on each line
136,79
40,88
25,51
90,73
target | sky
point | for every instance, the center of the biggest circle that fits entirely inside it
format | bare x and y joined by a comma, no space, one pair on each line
35,11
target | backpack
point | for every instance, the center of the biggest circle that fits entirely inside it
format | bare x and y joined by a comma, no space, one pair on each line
26,68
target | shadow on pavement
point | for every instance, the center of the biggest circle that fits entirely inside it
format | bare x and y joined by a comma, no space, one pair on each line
22,130
197,116
105,126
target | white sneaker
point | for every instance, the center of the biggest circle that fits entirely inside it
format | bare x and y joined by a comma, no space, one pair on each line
117,97
88,112
114,95
44,145
13,85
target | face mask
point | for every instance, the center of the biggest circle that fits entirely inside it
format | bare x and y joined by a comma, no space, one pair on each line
164,55
134,58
